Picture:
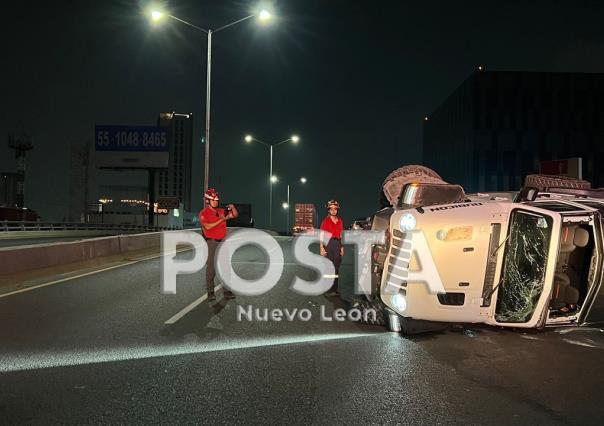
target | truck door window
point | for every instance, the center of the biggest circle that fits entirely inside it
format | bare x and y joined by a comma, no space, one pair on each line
524,265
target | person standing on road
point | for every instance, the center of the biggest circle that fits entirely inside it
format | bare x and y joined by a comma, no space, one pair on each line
213,225
334,225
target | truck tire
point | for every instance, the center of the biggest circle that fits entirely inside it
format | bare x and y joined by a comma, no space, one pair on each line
396,180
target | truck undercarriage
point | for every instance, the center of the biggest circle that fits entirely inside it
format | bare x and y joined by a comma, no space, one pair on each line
537,254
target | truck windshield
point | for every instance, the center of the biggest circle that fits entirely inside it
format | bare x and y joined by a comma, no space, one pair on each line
524,265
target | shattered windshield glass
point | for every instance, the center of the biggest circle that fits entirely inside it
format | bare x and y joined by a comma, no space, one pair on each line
524,267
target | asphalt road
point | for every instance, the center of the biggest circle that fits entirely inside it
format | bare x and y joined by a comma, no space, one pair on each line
98,350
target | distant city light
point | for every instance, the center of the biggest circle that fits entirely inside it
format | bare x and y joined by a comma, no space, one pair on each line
139,202
426,118
479,67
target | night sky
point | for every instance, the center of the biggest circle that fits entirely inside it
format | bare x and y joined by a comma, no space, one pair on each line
353,78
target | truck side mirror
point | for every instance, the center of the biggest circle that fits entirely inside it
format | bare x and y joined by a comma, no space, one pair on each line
528,193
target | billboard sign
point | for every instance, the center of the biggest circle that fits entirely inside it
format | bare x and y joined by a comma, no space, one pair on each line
569,167
131,147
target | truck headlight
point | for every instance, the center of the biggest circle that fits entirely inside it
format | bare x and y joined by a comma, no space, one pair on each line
400,302
407,222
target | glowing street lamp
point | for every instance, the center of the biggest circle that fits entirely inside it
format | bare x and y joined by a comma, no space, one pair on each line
156,15
294,139
263,16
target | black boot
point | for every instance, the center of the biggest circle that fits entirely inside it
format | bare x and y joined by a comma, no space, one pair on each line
333,291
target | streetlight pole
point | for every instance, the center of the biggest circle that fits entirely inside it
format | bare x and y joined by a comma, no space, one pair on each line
206,168
156,16
272,179
288,211
287,205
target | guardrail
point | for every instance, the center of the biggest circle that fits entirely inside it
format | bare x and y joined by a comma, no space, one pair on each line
12,226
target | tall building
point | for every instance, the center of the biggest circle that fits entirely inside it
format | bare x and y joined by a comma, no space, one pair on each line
8,189
496,127
176,180
21,144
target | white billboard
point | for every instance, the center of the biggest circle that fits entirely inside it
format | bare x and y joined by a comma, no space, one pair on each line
131,147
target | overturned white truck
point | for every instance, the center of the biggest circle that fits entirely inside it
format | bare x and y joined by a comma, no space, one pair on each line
525,259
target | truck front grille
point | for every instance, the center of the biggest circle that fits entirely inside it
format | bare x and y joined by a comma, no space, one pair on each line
398,262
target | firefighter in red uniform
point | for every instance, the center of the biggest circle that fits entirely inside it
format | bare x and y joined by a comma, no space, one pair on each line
334,249
213,224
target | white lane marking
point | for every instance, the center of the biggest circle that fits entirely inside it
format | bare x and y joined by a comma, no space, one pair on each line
256,262
23,290
34,361
196,303
132,262
569,330
189,308
579,343
530,337
155,256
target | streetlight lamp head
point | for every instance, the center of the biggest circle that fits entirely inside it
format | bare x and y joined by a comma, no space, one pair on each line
274,179
303,179
248,138
156,15
264,15
295,138
285,206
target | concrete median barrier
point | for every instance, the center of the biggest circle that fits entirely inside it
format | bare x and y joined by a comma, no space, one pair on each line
139,242
14,260
26,258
